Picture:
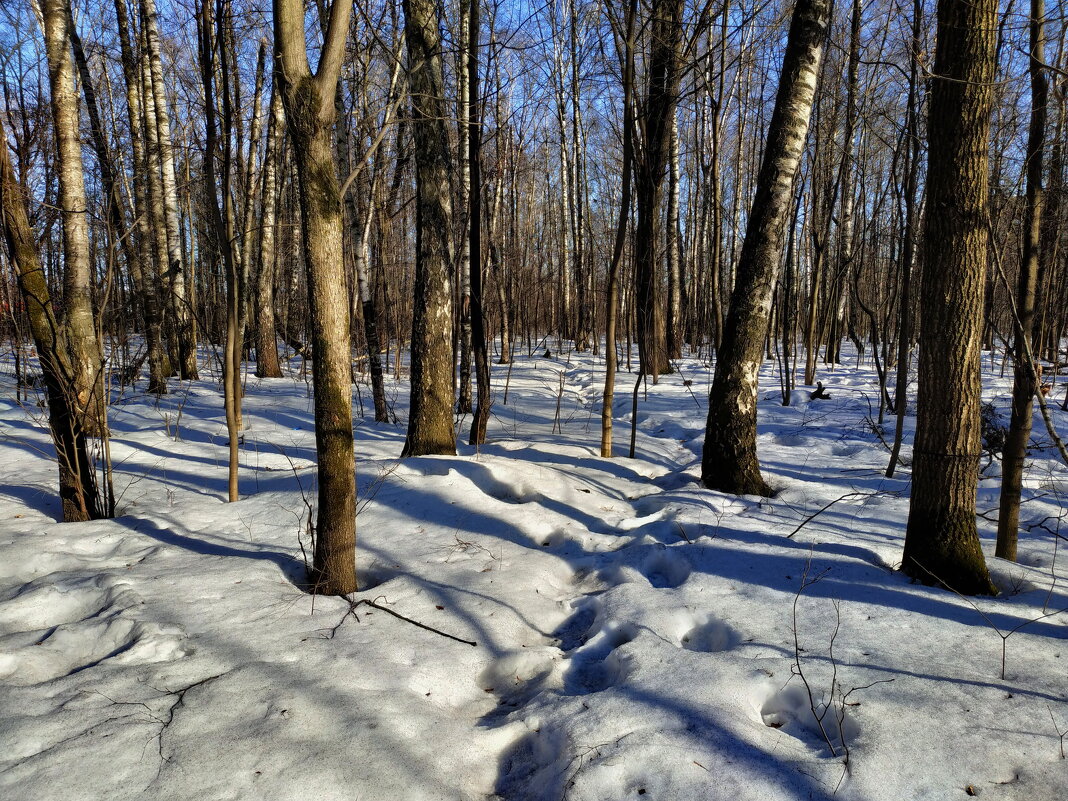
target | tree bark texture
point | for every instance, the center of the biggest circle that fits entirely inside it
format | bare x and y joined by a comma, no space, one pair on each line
941,542
86,359
77,486
430,429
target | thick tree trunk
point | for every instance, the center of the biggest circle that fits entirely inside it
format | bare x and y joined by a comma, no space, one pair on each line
941,542
729,462
430,428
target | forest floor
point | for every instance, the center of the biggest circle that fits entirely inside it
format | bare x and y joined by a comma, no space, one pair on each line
637,634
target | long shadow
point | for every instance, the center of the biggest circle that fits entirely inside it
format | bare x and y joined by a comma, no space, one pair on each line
533,769
35,497
291,567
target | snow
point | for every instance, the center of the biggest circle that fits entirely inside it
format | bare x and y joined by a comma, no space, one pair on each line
637,634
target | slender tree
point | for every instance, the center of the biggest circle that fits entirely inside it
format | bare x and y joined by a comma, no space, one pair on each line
310,112
1024,382
729,462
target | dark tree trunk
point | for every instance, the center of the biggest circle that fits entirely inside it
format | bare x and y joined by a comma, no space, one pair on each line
430,429
941,542
1024,382
666,34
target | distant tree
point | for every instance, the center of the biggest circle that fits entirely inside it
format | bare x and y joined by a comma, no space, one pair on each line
729,462
1024,382
941,542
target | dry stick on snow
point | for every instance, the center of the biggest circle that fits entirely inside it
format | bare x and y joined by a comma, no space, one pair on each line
814,515
353,605
837,704
799,671
1057,728
1003,634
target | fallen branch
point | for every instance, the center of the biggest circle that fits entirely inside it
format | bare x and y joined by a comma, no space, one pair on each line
353,605
814,515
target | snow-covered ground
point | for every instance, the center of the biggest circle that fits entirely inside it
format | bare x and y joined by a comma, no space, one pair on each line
637,634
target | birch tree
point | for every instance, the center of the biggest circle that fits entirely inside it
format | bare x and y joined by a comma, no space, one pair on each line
729,460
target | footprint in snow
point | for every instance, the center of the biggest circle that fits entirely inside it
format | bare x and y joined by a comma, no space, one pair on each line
599,664
710,636
666,569
789,710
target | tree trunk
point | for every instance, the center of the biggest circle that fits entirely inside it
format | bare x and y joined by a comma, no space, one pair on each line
142,265
267,365
478,319
729,462
430,428
77,487
941,542
908,247
310,113
612,303
86,359
184,319
671,245
1024,382
666,34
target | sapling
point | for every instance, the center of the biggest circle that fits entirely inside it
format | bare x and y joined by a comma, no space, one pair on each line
1057,728
1004,635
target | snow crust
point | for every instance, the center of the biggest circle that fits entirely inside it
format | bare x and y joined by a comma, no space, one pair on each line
637,634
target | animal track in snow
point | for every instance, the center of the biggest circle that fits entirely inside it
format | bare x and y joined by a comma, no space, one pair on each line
58,630
790,711
666,569
518,676
599,665
710,636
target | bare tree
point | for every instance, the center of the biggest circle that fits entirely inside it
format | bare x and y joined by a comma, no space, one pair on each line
941,542
310,114
729,462
430,419
1024,383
